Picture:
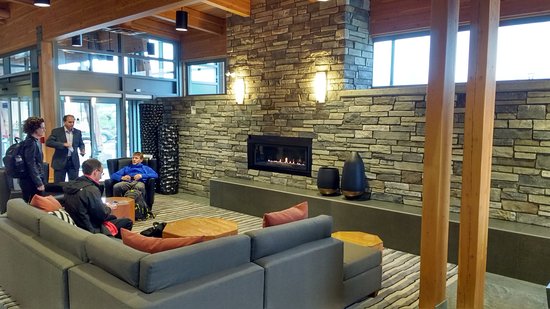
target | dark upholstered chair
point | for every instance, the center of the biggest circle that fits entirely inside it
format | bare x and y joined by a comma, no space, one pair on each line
5,190
113,165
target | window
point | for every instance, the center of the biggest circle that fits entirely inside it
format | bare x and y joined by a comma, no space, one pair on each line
521,54
207,77
148,57
1,66
20,62
71,60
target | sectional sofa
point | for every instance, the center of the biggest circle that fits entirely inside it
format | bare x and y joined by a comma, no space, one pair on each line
48,263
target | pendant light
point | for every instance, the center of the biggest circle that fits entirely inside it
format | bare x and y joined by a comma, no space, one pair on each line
181,20
76,40
42,3
150,48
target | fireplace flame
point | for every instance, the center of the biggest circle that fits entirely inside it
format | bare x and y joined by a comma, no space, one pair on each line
288,161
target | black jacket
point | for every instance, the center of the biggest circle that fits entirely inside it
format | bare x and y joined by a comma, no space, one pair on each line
32,155
83,202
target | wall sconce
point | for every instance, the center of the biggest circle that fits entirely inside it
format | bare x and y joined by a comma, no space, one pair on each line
76,40
320,86
42,3
238,88
181,20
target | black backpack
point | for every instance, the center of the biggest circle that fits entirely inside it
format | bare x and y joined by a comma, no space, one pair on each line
142,212
13,161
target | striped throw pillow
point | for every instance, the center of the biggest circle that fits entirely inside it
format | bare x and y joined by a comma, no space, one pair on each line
63,215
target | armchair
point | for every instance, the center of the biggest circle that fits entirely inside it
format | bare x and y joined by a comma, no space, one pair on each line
113,165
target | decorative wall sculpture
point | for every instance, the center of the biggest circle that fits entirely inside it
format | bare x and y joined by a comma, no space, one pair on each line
168,158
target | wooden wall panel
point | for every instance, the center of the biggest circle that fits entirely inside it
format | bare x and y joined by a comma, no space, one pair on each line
402,16
200,45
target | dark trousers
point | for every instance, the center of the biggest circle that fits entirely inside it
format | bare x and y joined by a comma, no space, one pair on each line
59,175
122,223
28,189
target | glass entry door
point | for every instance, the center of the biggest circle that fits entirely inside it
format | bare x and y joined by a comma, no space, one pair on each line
97,118
13,112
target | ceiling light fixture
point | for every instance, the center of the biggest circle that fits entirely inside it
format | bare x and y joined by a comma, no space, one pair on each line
181,20
42,3
150,48
76,40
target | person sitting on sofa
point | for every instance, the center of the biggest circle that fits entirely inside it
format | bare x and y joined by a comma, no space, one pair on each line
133,176
83,203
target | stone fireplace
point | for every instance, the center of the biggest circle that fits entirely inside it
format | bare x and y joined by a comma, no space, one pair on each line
287,155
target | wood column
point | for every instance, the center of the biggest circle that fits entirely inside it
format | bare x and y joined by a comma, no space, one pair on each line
437,153
48,99
478,146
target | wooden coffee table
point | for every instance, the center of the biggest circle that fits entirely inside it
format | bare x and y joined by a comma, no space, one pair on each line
210,228
360,238
124,207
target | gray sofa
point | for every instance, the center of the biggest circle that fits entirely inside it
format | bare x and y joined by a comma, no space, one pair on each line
47,263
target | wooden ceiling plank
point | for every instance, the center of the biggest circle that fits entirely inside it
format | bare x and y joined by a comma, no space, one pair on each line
238,7
4,13
198,20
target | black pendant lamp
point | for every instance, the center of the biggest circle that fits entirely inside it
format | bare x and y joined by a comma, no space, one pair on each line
150,48
76,40
42,3
181,20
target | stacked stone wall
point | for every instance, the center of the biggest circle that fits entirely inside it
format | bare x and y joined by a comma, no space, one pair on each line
388,132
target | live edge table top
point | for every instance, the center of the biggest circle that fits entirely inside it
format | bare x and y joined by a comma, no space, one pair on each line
210,228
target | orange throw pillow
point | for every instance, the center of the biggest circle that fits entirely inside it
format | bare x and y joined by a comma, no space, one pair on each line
294,213
46,203
153,244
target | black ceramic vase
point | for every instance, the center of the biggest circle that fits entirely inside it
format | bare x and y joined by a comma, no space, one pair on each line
353,177
328,180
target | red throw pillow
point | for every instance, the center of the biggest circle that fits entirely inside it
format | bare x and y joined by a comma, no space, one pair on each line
46,203
294,213
153,244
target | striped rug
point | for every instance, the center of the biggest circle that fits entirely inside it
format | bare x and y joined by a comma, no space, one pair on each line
400,270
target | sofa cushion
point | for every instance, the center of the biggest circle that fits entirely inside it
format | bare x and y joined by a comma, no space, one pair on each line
25,215
153,244
65,236
294,213
168,268
359,259
278,238
114,257
46,203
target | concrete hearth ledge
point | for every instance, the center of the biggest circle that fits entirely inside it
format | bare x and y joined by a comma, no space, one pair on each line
515,250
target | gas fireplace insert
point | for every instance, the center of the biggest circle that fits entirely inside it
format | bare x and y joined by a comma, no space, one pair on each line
289,155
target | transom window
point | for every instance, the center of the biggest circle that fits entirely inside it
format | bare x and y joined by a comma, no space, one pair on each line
522,53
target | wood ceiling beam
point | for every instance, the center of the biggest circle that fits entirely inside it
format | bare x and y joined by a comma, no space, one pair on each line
238,7
198,20
26,2
68,17
4,13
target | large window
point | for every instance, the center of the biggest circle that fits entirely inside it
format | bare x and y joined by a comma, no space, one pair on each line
148,57
522,53
206,77
71,60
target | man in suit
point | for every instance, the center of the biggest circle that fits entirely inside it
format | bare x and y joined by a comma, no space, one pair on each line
66,140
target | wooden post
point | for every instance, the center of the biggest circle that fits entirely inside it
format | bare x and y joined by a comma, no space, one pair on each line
478,146
437,153
48,97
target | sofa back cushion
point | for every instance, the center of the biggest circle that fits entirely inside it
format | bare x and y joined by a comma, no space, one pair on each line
25,215
270,240
114,257
67,237
168,268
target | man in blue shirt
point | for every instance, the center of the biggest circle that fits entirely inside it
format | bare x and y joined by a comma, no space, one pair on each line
133,176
